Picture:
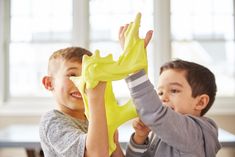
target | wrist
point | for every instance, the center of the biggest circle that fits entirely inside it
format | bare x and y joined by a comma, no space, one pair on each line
140,139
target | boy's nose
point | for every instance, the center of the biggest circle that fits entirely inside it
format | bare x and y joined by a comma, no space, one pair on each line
164,98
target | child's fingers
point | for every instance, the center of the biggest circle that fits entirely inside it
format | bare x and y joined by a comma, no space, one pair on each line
137,127
121,34
142,124
135,123
122,30
116,136
138,124
147,38
129,28
125,28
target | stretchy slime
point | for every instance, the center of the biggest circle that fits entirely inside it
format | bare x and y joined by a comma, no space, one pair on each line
96,68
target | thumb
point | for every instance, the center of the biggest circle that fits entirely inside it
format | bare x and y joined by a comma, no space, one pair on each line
147,38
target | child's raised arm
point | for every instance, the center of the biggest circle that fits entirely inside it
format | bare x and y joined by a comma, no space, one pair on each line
97,136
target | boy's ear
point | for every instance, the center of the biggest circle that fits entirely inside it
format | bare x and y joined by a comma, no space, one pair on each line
47,82
202,103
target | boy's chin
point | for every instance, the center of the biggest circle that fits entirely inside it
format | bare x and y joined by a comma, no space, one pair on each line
75,105
77,102
77,108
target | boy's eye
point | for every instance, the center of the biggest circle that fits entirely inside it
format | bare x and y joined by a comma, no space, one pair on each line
159,93
72,74
174,91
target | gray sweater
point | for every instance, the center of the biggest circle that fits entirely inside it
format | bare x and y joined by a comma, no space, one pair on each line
62,135
173,134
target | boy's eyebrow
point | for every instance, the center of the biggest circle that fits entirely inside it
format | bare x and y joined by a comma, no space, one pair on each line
171,84
176,84
72,68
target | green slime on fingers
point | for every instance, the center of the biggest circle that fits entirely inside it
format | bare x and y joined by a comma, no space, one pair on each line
96,68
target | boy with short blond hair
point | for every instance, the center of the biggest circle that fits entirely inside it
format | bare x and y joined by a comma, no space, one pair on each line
65,131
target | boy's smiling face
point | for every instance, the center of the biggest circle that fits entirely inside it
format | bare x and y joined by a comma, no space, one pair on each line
67,95
175,92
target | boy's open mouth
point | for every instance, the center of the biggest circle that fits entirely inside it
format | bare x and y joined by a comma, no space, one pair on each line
76,94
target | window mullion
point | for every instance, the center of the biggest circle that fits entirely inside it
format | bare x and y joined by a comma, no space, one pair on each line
234,19
4,49
162,46
1,52
81,23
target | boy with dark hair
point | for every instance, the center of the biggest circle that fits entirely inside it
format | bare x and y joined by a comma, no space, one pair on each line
172,122
174,113
197,77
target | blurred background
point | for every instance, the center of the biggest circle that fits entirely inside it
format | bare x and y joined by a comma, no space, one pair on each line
31,30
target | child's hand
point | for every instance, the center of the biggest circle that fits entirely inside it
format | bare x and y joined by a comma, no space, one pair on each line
118,152
141,131
121,36
96,92
116,137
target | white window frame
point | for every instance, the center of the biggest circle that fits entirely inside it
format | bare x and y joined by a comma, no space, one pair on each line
4,29
32,105
162,49
222,105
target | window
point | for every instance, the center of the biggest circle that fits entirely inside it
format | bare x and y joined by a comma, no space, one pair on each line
37,28
203,31
199,30
106,17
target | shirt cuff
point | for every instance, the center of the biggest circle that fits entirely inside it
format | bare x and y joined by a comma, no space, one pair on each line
136,79
138,148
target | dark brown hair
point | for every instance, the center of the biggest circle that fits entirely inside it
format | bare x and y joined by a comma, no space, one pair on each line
200,79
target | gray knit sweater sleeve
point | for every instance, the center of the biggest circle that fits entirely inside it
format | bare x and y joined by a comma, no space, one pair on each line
61,135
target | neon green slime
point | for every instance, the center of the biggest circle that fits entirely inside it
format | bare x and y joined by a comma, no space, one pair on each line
96,68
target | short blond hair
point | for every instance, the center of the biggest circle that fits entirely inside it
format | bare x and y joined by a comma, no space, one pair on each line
73,54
